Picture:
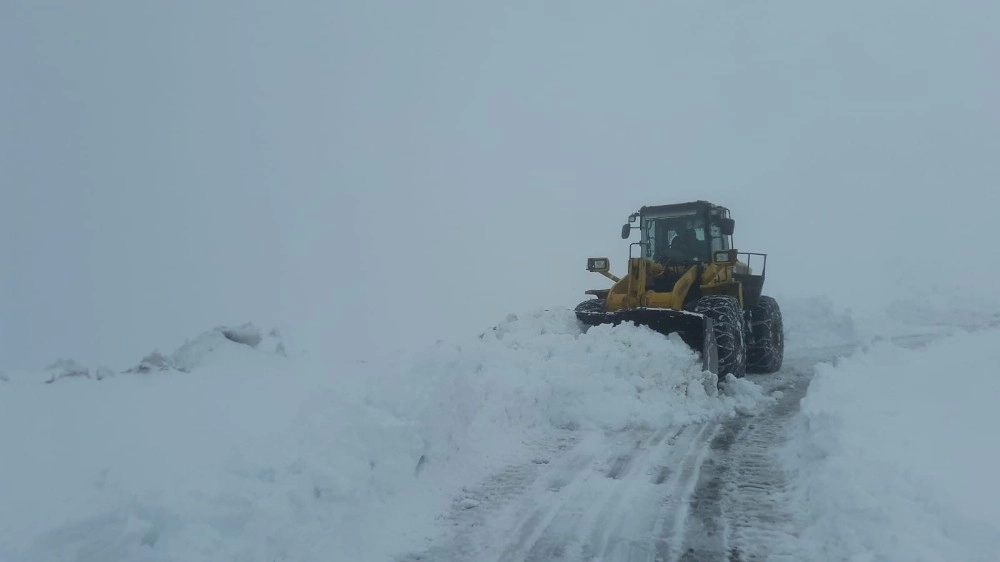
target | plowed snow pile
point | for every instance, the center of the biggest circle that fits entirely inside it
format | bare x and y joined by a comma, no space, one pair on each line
896,456
229,450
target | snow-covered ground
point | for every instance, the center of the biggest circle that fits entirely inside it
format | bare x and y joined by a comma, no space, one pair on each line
224,451
232,448
895,453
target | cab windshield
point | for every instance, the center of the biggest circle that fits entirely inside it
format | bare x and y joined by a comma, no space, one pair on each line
681,237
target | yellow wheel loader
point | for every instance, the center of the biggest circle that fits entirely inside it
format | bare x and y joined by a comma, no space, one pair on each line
685,277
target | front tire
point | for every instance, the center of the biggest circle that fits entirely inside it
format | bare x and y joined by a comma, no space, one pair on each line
591,312
727,325
767,352
591,306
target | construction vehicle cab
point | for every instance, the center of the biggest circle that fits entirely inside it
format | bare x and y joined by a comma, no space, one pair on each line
688,232
685,277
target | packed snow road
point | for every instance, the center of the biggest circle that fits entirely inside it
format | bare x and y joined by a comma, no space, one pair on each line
711,490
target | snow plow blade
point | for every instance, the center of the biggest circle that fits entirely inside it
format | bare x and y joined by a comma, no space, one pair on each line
695,329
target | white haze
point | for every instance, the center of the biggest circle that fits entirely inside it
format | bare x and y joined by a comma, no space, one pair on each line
378,175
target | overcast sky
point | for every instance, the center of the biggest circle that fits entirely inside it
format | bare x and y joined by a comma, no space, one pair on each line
376,175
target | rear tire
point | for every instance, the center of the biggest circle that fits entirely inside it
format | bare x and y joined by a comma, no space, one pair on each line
727,325
767,351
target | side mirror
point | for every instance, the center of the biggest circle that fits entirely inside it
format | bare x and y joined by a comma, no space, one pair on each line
727,226
626,231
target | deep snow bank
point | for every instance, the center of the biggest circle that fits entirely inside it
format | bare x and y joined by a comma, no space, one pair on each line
234,452
895,454
538,373
543,371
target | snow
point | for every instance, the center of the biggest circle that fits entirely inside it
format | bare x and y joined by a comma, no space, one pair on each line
894,452
64,368
231,449
815,322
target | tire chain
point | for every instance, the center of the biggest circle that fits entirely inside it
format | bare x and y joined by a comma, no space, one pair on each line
761,356
725,311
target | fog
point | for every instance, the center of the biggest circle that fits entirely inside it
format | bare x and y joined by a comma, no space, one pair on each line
370,177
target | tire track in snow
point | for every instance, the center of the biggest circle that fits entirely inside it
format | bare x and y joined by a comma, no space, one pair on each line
713,491
629,502
571,517
741,510
470,538
646,522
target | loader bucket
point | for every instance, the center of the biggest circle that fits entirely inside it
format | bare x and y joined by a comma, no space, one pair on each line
695,329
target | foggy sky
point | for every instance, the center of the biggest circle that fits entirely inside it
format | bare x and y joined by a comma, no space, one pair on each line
374,176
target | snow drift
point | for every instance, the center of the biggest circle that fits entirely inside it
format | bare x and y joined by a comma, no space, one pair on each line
894,452
235,451
815,322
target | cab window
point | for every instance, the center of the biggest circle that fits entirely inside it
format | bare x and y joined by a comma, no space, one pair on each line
719,242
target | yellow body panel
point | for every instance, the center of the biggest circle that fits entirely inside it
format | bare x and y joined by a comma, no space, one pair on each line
634,290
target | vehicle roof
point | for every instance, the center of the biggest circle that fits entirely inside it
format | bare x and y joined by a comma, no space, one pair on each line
680,207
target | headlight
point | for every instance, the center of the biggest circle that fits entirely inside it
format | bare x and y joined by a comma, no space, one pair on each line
598,264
